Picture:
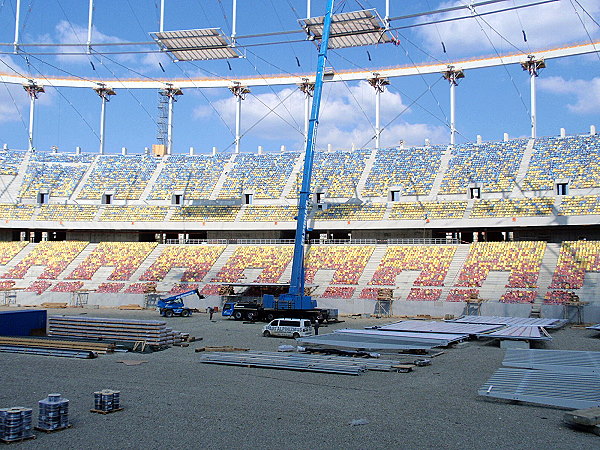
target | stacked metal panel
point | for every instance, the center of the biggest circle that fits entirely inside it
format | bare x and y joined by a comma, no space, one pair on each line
554,360
298,361
422,326
594,327
517,321
525,333
441,339
54,413
16,424
153,332
562,378
565,390
107,400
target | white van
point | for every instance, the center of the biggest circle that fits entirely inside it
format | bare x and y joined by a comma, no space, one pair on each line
288,327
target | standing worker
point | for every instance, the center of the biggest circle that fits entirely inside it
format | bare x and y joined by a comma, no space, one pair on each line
210,312
317,327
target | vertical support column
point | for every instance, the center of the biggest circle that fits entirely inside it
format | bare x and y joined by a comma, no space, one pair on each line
453,75
240,94
171,93
17,25
533,66
379,85
308,9
386,19
161,23
308,89
104,93
90,25
234,22
33,90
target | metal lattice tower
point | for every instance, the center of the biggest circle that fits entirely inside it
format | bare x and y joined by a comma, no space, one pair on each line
163,118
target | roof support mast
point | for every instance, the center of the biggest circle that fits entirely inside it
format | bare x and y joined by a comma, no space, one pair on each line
453,75
33,90
379,85
17,24
297,278
104,93
90,25
533,66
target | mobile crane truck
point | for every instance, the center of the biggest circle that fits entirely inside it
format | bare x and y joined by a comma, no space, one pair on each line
173,306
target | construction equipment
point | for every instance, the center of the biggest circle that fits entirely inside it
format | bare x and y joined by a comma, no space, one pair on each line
173,306
263,302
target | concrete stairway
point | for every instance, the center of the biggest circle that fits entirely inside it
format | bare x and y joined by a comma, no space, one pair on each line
146,263
10,186
159,168
219,184
83,180
294,175
370,268
545,277
220,262
523,167
362,181
460,256
437,183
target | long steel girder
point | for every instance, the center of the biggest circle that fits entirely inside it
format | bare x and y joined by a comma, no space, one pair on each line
517,58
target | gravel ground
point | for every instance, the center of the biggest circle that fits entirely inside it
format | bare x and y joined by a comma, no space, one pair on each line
173,401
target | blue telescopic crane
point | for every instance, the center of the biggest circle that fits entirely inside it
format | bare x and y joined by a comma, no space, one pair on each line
295,298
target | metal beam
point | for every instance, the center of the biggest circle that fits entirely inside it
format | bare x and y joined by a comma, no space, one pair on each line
297,79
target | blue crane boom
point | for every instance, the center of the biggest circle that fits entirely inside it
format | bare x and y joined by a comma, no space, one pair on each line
295,297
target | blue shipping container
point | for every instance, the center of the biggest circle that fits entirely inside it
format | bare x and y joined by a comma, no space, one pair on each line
23,323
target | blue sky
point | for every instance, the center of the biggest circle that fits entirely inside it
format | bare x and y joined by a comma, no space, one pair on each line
489,101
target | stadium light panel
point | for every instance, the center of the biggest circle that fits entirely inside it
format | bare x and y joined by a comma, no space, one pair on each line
352,29
196,45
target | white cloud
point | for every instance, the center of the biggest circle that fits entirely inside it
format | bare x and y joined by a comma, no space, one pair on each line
347,117
586,92
545,26
67,32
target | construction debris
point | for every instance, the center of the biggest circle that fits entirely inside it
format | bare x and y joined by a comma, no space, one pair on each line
223,348
132,362
584,419
54,305
131,307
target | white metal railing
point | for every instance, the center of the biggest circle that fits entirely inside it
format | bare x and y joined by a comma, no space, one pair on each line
412,241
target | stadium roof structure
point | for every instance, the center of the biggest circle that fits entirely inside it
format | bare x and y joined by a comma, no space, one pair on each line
281,80
351,29
196,45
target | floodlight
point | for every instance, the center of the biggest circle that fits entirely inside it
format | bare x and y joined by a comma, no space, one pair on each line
196,45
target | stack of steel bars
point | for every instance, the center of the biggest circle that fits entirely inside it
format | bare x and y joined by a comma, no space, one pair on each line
152,332
299,361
